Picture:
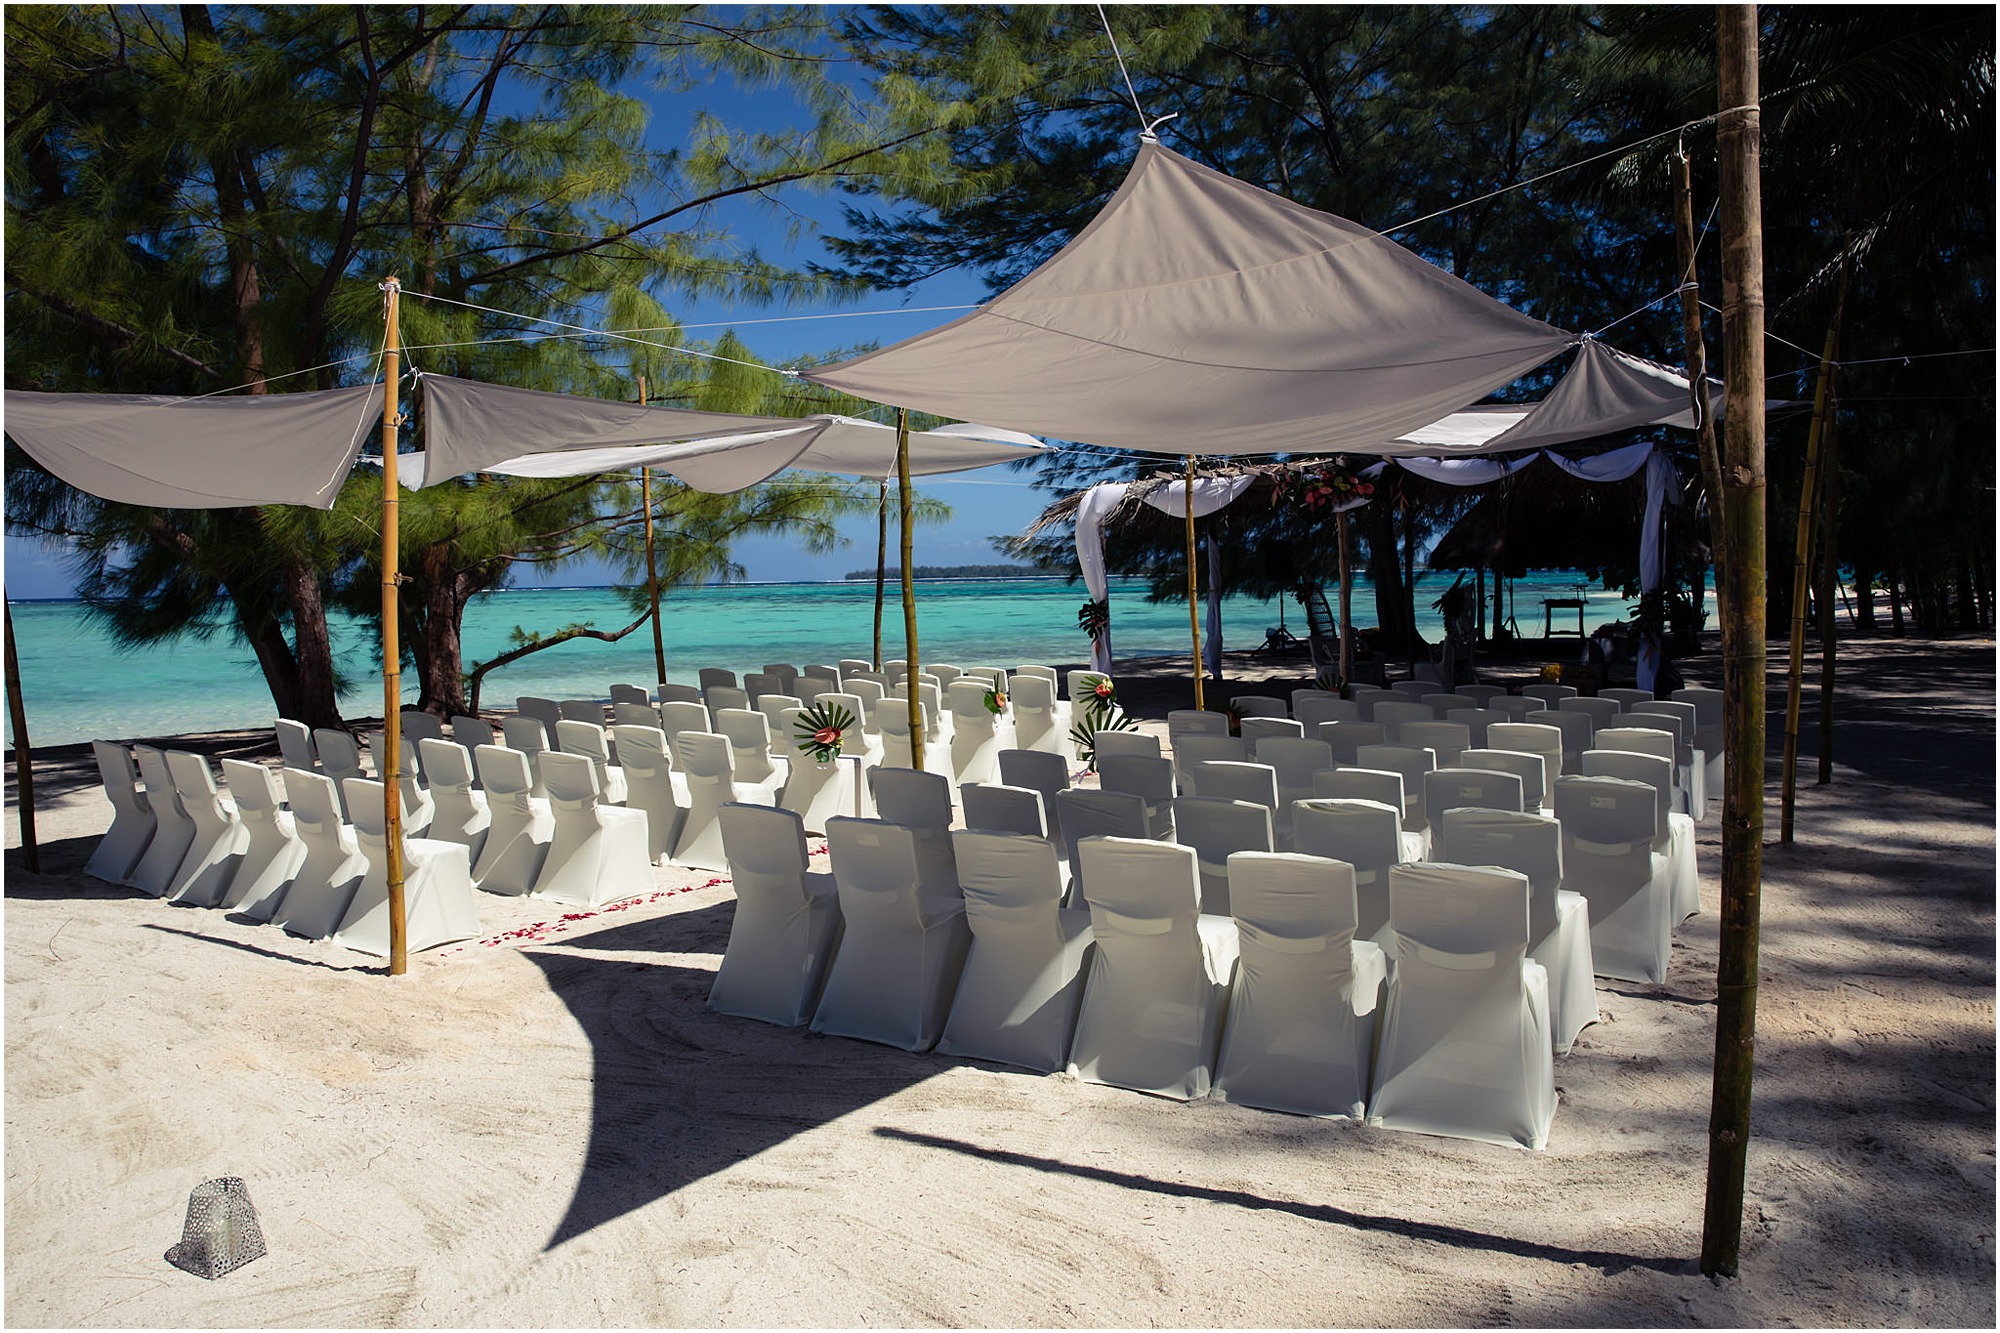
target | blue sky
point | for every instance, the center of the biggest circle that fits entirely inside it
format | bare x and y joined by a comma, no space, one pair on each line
985,503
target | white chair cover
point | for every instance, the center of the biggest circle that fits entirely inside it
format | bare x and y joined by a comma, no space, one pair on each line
719,697
473,732
1466,1049
438,906
1625,698
709,677
1692,761
1446,740
1159,978
1347,738
1150,779
1018,997
318,899
1131,744
517,838
1643,737
1040,723
1531,769
1301,1029
1296,762
774,707
1368,836
1531,738
1549,694
272,851
1676,829
1312,711
1216,828
1609,827
132,822
458,813
545,711
1195,722
787,921
529,738
1481,695
339,759
665,693
418,807
890,719
597,853
1601,711
976,739
818,791
705,759
418,726
295,745
1259,705
1558,920
651,786
1412,763
220,839
1487,788
625,713
996,808
630,694
1576,729
1390,715
588,740
1708,721
680,715
904,942
1255,729
579,710
757,684
1082,813
1476,721
1200,748
750,753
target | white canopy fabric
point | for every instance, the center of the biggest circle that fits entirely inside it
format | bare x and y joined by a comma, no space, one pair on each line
1199,314
710,451
198,453
1210,494
1603,392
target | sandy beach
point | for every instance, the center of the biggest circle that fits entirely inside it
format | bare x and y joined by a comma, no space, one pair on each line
545,1127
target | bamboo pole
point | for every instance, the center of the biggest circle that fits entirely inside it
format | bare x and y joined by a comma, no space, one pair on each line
1829,583
881,563
1346,606
1697,353
903,501
392,648
24,769
1741,593
1194,614
1802,559
652,565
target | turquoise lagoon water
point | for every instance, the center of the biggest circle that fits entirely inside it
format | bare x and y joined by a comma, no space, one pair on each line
77,686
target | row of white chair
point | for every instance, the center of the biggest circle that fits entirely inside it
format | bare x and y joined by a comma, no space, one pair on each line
964,946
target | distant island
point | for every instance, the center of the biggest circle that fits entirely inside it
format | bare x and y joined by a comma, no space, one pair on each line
964,572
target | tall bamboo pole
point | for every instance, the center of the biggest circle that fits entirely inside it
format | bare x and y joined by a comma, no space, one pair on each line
1741,593
392,648
24,770
1697,354
1194,615
881,563
1802,558
1346,606
909,592
1829,583
652,565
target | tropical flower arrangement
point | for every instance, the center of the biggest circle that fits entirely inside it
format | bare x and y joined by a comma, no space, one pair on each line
1097,710
1094,618
1329,679
822,730
1318,485
996,702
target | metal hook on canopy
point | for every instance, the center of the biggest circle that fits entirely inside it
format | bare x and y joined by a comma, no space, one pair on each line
1148,135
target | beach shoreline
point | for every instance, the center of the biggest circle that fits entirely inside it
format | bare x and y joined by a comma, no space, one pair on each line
546,1127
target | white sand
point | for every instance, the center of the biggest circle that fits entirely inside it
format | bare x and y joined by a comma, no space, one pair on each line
554,1131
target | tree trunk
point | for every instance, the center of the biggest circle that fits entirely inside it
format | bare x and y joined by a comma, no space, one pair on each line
1742,594
281,669
1864,599
317,702
1829,593
437,644
1895,591
1968,617
1386,574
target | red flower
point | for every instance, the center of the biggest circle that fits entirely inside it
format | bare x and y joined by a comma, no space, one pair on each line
827,736
1103,689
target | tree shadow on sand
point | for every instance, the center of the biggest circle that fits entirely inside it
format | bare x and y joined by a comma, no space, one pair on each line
679,1093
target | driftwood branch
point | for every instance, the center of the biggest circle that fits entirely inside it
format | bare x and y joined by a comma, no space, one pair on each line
477,675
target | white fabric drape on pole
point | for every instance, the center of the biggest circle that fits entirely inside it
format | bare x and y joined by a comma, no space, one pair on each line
1662,489
1211,646
1097,502
1465,471
198,453
1616,465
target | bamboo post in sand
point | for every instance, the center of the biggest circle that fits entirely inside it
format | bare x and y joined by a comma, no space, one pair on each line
881,563
652,566
1802,559
24,772
1194,615
909,593
1697,354
1741,593
1829,583
392,649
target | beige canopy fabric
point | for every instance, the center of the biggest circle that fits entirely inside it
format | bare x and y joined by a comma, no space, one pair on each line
1199,314
468,426
198,453
715,462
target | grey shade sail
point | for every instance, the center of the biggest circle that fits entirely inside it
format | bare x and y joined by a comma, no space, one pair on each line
198,453
1198,314
468,426
563,436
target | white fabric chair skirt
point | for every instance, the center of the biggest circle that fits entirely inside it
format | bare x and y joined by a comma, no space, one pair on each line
817,792
1300,1034
273,853
1466,1050
438,906
787,923
1018,997
119,850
